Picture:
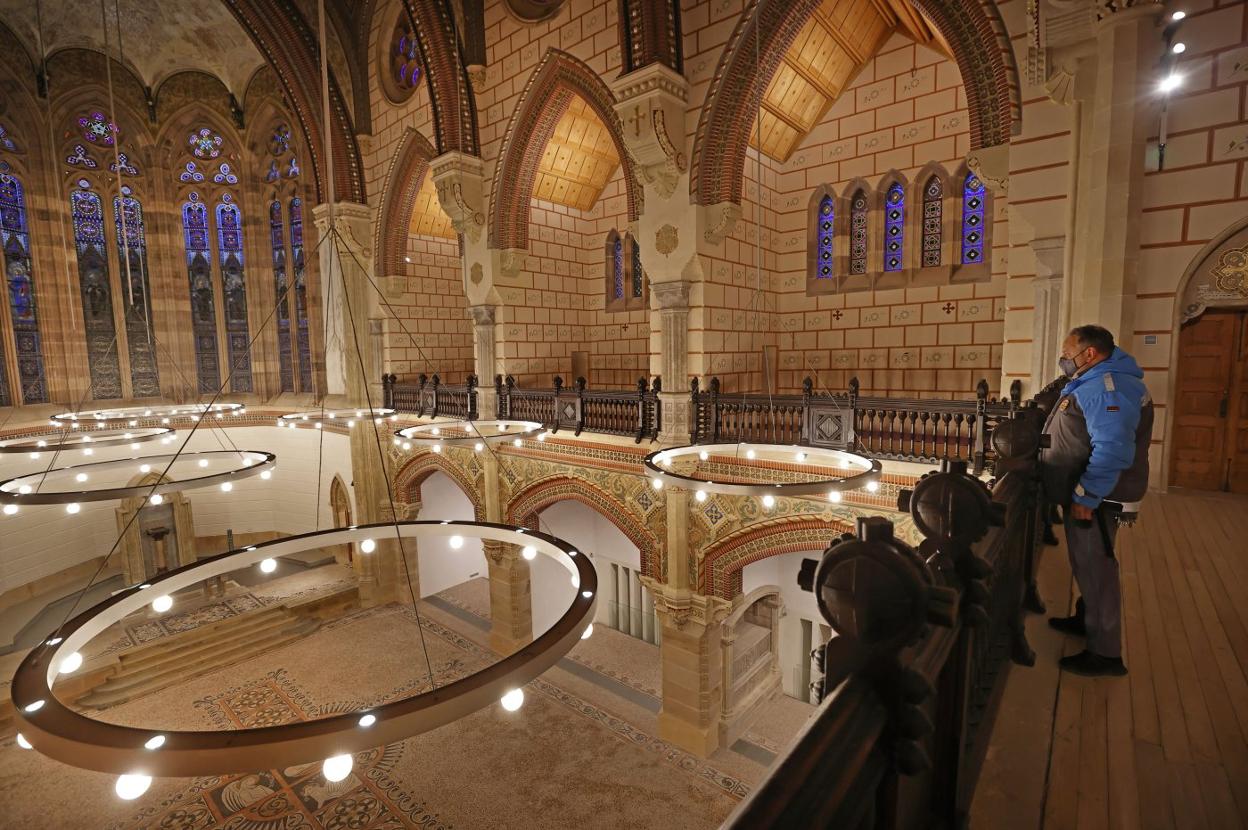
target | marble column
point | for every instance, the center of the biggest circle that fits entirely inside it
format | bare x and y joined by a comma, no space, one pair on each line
484,349
671,301
1048,326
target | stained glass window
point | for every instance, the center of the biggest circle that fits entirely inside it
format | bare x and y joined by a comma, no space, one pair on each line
617,268
858,233
126,167
405,58
23,311
277,241
205,144
192,174
203,302
638,274
279,142
824,236
6,140
302,339
81,158
973,197
933,197
894,226
93,285
97,129
230,258
140,330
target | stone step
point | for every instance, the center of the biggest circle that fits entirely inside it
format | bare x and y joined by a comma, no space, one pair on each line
145,656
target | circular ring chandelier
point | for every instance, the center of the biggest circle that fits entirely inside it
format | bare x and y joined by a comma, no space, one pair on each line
32,488
468,433
136,754
131,415
863,472
317,418
35,445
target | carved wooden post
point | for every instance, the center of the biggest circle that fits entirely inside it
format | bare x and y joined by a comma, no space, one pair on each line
471,386
979,444
421,407
808,389
387,390
714,410
437,402
580,405
695,410
656,412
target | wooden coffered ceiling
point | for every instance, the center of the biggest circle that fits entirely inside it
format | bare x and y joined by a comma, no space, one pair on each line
428,218
579,159
837,41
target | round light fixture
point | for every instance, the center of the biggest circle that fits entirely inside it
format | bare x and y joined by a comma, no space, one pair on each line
513,700
337,767
131,415
819,462
268,566
162,603
49,442
316,419
131,786
468,433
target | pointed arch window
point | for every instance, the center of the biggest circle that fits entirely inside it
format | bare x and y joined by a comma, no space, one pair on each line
234,289
87,212
824,236
140,331
637,276
617,269
302,338
858,213
20,290
894,226
973,200
933,208
203,301
277,242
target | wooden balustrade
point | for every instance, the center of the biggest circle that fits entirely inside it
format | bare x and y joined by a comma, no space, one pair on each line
430,397
615,412
902,429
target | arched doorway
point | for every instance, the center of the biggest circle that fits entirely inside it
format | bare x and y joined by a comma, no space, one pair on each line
340,510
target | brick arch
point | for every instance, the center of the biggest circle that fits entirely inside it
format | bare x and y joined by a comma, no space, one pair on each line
450,93
411,475
525,505
406,174
557,78
720,572
973,29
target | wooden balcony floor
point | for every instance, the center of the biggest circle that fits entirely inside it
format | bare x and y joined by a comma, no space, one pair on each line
1166,746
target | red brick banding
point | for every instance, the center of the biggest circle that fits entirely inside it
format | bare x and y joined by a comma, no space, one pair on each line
403,180
720,574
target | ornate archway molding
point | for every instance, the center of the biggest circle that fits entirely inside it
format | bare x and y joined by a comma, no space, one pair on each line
407,171
411,475
720,571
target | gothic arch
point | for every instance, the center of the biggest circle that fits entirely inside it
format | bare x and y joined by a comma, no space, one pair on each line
546,96
450,94
407,171
973,29
720,573
542,494
412,474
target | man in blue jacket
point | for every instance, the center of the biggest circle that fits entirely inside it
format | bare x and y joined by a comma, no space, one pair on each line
1096,467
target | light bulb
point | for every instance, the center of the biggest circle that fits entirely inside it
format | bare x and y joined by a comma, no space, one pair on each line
31,708
226,486
81,477
164,420
368,546
703,455
517,443
587,594
203,462
41,443
873,486
155,742
801,456
1177,16
456,542
1179,48
513,700
317,425
589,630
22,742
367,721
266,475
268,566
88,451
162,603
134,446
750,454
34,456
769,501
351,423
145,468
700,495
338,767
407,445
478,446
156,498
436,431
24,489
542,437
1170,83
656,483
130,787
71,663
10,509
437,448
529,552
834,496
72,508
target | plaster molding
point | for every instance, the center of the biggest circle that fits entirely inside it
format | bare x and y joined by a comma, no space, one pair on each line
992,166
718,220
673,296
647,101
482,315
681,606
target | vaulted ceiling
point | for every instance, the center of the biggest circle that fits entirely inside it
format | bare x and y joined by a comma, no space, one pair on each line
837,41
428,218
579,159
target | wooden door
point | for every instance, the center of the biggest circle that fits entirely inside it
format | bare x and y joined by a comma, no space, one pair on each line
1211,402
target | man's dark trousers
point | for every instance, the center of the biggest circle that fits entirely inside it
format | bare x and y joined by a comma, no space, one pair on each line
1096,574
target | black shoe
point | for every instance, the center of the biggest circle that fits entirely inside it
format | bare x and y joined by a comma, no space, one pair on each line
1093,665
1069,625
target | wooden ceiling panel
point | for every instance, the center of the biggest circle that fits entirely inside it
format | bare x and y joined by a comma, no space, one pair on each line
428,218
578,161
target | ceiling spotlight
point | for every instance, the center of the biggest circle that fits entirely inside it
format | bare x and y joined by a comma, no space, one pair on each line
437,448
1179,48
266,475
10,509
145,468
407,259
81,477
24,489
407,445
88,451
72,508
268,566
834,496
31,708
513,700
480,445
587,594
71,663
130,787
368,546
337,768
1177,16
226,486
589,630
517,443
700,495
34,456
203,462
529,552
801,456
162,604
769,501
156,742
873,486
1170,83
156,498
456,542
367,721
436,431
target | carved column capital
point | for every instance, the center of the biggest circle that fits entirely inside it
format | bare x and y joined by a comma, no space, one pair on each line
1050,254
482,315
992,166
673,296
459,179
681,607
718,220
651,104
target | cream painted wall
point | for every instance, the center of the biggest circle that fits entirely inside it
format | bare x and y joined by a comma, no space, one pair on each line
442,567
798,605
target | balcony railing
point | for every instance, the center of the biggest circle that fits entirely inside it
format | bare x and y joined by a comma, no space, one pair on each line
430,397
635,413
901,429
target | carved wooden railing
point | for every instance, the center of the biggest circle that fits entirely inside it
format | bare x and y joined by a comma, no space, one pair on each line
913,680
430,397
901,429
635,413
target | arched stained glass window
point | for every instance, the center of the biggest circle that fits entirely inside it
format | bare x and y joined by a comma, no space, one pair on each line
933,196
140,328
23,311
405,58
6,141
234,287
638,275
894,226
824,236
277,242
93,285
97,129
203,302
858,233
973,197
302,337
617,269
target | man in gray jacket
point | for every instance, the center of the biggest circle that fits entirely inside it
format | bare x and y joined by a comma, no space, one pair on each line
1096,467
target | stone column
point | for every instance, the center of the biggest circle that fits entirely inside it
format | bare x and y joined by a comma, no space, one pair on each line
671,301
511,613
345,266
691,655
1048,327
1119,117
484,359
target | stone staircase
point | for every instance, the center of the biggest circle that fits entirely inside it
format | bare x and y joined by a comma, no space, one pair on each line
150,668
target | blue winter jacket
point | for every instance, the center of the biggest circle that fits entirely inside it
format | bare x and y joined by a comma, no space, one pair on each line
1099,432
